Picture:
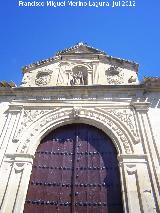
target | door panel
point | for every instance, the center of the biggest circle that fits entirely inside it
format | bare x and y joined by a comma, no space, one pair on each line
75,170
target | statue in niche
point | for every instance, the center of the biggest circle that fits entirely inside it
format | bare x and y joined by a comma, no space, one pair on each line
77,78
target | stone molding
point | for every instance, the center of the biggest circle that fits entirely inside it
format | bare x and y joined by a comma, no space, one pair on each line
134,158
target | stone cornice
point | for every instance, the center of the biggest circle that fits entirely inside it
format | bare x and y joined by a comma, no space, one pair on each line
122,62
79,87
66,89
7,91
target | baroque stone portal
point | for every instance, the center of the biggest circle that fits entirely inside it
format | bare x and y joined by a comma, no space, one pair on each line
102,100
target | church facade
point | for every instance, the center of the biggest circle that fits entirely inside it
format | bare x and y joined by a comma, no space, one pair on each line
80,134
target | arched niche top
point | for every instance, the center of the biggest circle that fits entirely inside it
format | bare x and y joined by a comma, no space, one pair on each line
119,135
86,66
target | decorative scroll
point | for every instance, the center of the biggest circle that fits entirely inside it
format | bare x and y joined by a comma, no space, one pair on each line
29,117
126,117
111,124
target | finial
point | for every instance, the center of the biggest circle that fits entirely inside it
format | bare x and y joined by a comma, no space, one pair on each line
81,43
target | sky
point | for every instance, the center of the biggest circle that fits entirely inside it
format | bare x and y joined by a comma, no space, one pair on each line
29,34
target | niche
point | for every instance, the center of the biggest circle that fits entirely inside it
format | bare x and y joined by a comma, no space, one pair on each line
79,76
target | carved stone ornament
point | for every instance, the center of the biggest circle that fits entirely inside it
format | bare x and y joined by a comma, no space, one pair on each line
113,70
132,79
114,75
75,112
19,167
131,169
126,117
52,117
29,117
43,77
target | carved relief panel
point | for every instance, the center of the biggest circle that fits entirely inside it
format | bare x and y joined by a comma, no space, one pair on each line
114,75
43,77
117,75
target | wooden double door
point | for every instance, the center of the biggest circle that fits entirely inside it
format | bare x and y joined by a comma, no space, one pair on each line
75,170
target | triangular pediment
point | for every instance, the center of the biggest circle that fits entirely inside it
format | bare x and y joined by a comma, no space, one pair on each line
80,48
82,51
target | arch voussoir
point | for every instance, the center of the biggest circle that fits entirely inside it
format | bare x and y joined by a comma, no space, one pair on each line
40,127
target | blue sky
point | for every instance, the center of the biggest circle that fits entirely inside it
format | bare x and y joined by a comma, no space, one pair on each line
31,34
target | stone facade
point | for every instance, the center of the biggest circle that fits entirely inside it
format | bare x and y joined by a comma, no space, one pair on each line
83,85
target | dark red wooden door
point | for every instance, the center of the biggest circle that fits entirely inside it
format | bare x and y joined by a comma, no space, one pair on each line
75,170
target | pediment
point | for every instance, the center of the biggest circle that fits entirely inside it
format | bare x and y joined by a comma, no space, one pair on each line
80,48
80,65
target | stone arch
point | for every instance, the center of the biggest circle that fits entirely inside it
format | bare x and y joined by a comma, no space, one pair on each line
87,66
119,134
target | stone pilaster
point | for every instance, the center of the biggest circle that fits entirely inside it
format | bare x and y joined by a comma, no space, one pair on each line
149,146
14,114
138,194
15,170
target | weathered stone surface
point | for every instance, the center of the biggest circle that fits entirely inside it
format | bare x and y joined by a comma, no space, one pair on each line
82,84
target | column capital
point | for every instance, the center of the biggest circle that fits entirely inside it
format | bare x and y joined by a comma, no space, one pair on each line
18,157
141,106
15,108
132,158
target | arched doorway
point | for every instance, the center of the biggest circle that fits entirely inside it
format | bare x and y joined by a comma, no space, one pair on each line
75,170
